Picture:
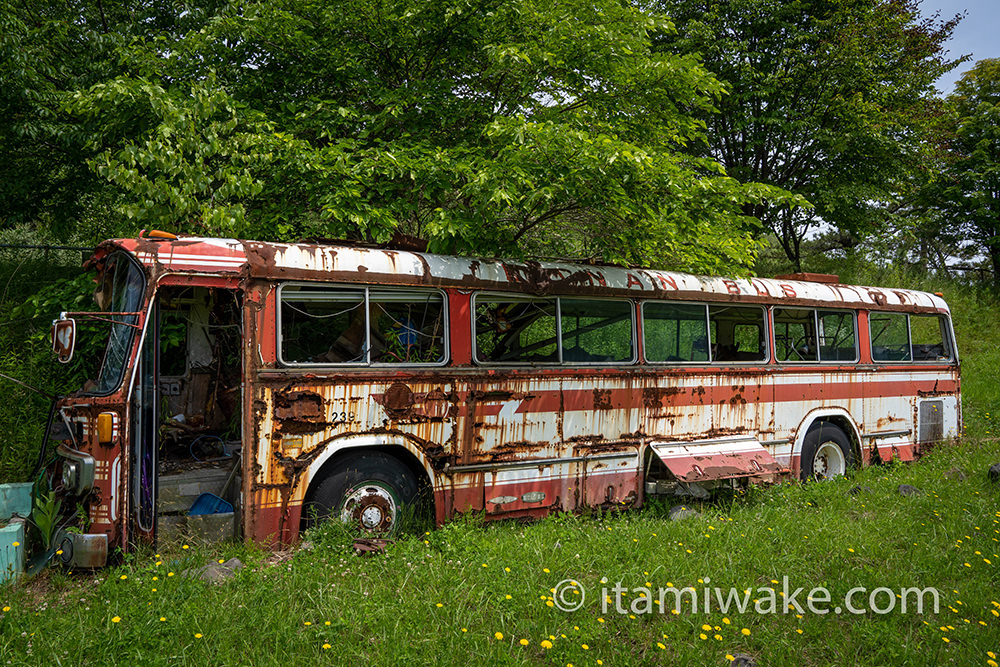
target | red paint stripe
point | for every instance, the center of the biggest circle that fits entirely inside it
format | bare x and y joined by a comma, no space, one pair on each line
578,400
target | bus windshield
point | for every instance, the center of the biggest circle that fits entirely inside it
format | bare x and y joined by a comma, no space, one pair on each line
120,291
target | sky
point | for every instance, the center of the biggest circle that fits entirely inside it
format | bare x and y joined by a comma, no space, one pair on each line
977,33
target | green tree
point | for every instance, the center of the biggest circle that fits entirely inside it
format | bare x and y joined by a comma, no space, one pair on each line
827,99
515,128
968,191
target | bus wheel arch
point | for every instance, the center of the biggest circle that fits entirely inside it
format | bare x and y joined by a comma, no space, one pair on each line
398,458
808,442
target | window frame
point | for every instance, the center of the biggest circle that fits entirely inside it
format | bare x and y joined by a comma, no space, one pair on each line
559,363
948,337
367,362
819,352
708,324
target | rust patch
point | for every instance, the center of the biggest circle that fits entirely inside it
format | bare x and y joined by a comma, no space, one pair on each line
602,399
299,412
398,399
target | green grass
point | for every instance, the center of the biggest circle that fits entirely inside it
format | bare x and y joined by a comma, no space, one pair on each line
384,609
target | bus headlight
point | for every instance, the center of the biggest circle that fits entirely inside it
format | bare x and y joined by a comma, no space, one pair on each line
77,470
70,475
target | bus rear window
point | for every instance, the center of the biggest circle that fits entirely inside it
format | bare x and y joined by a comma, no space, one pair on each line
929,338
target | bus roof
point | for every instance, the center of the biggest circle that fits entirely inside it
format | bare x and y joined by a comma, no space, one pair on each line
352,264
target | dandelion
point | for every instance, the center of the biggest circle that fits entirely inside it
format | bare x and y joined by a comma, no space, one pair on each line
326,647
946,640
702,636
851,550
439,605
746,632
170,574
307,623
584,647
116,619
717,637
123,577
465,629
600,620
730,657
16,544
991,663
706,627
546,644
661,646
6,609
163,619
506,569
185,547
725,620
506,597
222,560
498,635
545,570
798,630
485,565
524,642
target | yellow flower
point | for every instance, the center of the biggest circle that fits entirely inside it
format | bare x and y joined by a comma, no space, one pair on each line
326,623
170,574
16,544
600,620
222,560
156,578
185,547
661,646
154,590
851,550
584,647
524,642
159,562
798,630
439,605
123,577
197,635
718,637
506,569
991,663
702,636
116,619
484,565
465,629
59,552
746,631
946,640
326,646
706,627
546,644
307,623
6,609
730,657
507,596
498,635
162,619
545,570
725,620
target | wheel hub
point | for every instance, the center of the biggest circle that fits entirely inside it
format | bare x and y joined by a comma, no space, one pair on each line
371,507
829,461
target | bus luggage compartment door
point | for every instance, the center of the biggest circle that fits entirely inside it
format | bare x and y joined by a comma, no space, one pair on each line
725,458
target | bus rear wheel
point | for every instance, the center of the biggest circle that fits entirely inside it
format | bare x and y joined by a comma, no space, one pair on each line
367,491
826,453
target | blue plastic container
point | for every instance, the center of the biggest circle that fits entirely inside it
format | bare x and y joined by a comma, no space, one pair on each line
209,503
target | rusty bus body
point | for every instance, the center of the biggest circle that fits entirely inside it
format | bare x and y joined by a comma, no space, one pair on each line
517,436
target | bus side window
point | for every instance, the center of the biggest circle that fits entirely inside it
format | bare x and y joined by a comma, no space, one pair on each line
929,338
407,327
889,336
737,333
516,330
837,341
795,335
596,331
320,325
674,332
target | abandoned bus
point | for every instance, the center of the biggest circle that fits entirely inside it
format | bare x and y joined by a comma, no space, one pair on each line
290,382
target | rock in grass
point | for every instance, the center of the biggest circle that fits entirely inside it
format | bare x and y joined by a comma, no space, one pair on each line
956,474
743,660
907,490
994,472
855,490
681,512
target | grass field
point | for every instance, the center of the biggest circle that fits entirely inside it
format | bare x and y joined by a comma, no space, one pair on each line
471,594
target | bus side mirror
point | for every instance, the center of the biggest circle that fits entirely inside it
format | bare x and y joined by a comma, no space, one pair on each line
64,338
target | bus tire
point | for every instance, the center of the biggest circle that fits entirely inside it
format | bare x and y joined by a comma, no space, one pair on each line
826,453
367,491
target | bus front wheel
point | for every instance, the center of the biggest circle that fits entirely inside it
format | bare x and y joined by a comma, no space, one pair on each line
366,491
826,453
